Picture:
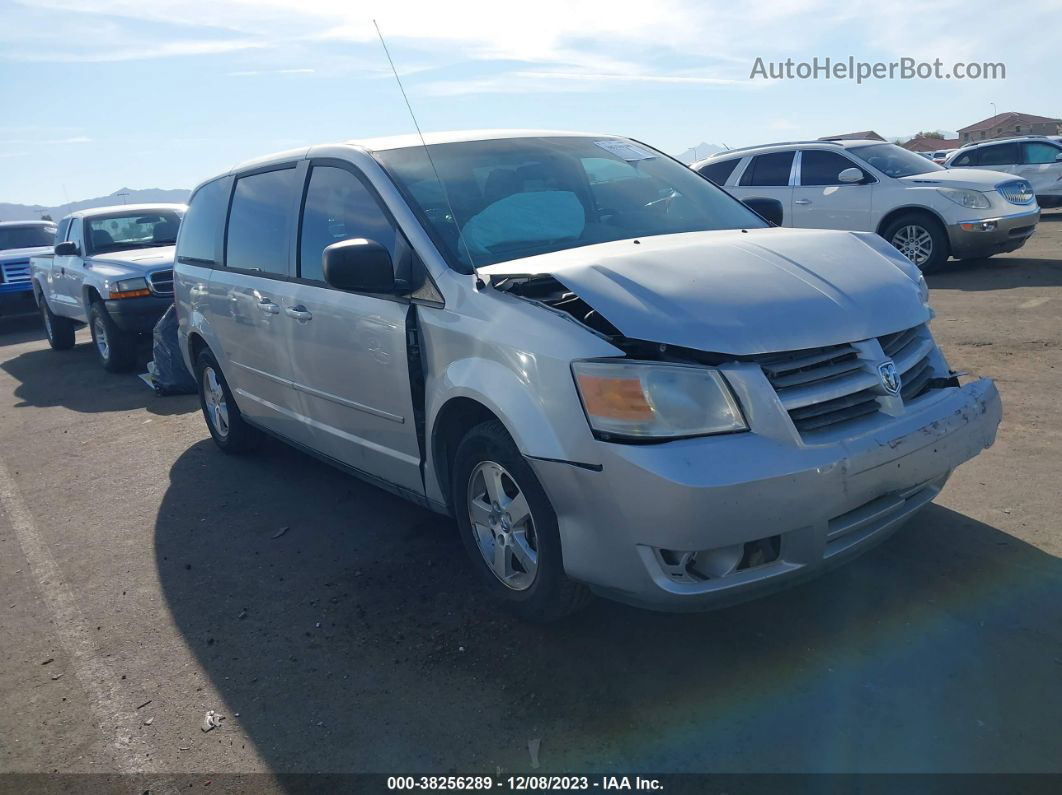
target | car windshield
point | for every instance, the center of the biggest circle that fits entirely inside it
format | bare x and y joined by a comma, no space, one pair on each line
893,160
128,230
29,236
503,199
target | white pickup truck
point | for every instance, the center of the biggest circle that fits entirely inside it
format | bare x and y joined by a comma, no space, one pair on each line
112,269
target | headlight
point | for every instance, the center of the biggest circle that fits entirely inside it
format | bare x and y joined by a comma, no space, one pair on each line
971,199
647,400
130,288
923,289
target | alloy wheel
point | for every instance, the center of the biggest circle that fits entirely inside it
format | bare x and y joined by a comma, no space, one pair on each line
217,407
503,525
99,334
914,242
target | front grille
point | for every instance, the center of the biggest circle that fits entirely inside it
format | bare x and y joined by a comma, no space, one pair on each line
16,271
161,282
1017,191
822,388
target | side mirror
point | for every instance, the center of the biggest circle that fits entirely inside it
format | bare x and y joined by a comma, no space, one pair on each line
850,176
67,248
770,210
359,265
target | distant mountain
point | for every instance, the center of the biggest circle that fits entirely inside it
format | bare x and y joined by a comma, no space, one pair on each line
33,212
698,152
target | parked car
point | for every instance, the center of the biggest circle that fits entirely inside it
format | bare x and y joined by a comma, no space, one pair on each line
20,240
927,212
112,268
941,155
1035,158
609,371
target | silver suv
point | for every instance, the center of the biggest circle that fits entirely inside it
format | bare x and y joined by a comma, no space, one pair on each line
614,375
1035,158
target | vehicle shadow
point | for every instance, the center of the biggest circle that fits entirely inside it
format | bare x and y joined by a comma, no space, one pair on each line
17,329
347,629
75,380
998,273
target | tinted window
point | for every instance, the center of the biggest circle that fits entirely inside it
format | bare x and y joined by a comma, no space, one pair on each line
201,230
719,173
259,225
131,230
772,169
1000,155
1037,153
966,159
495,200
26,236
338,207
821,168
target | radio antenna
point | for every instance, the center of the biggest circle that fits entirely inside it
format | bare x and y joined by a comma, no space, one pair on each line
427,151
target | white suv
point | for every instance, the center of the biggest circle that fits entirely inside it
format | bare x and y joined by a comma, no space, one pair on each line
926,211
1033,157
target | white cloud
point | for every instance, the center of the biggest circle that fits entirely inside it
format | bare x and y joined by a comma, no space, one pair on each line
77,139
259,72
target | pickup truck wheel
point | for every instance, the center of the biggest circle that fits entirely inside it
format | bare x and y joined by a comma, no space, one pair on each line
920,238
116,348
509,527
222,415
60,330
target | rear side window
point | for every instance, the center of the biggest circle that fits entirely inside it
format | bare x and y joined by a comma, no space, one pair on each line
1000,155
1039,153
822,168
200,236
338,207
967,158
770,169
720,172
259,222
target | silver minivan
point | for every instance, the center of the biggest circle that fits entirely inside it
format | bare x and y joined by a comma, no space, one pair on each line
615,377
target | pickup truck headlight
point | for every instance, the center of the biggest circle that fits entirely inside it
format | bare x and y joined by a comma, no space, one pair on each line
130,288
649,400
970,199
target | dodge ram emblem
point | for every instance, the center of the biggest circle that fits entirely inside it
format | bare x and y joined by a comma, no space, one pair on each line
890,377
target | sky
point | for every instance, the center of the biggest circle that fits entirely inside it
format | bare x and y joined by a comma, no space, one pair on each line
96,95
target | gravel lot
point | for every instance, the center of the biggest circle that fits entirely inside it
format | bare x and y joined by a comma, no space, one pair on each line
144,579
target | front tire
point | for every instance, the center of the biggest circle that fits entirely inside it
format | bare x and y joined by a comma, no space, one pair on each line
115,348
509,527
920,238
224,421
60,330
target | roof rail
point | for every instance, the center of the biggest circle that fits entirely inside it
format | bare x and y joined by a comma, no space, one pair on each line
1008,138
776,143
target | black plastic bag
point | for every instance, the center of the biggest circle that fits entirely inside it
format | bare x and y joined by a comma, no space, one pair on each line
169,376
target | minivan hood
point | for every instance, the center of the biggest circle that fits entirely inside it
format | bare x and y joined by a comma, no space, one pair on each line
975,178
139,260
740,293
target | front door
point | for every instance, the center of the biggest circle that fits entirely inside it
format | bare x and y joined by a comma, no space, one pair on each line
67,276
822,201
349,350
768,176
248,294
1039,166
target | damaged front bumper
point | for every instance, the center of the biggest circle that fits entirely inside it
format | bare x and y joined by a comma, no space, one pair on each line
700,523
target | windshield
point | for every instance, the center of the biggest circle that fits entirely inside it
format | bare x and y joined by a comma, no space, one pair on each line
518,197
895,161
123,231
30,236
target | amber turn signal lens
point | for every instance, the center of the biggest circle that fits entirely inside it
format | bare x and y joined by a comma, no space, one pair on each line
131,294
616,398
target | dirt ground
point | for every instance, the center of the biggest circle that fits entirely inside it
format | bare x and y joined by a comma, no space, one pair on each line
145,579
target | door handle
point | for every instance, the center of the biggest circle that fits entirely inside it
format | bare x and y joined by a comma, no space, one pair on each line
802,201
299,312
265,305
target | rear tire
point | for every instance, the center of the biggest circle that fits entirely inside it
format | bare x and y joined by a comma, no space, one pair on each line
920,238
60,330
224,421
115,348
515,517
